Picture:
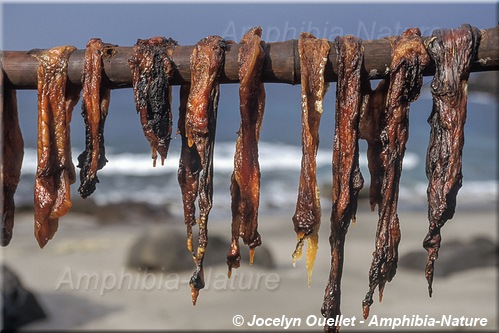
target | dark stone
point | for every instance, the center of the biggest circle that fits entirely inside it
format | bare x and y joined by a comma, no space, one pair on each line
133,212
160,249
123,212
455,256
20,306
165,249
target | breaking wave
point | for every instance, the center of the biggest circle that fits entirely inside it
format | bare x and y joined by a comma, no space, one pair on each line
131,177
272,157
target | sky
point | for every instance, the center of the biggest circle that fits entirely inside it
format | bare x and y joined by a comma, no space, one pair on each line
31,25
44,25
26,26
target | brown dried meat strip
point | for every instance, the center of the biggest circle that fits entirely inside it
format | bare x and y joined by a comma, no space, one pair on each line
370,127
152,69
347,179
313,55
409,58
94,111
245,180
452,51
12,159
207,60
188,171
55,170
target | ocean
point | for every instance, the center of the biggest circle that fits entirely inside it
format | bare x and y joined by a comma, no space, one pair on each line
130,176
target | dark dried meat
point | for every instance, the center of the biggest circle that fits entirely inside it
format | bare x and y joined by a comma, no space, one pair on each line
313,55
409,58
370,127
207,60
152,69
94,111
245,180
188,171
55,170
12,159
452,51
347,179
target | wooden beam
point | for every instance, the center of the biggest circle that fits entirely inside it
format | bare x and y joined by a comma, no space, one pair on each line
281,64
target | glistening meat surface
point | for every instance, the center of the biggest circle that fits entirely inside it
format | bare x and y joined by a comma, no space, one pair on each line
152,68
94,111
370,127
347,179
206,64
12,159
409,58
245,180
188,171
313,55
452,51
55,170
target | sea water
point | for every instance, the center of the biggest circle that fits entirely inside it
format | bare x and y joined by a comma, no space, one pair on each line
130,176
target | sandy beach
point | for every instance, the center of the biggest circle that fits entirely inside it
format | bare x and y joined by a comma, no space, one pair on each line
81,280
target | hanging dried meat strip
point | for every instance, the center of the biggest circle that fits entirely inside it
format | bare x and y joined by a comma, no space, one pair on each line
55,170
370,127
188,171
313,55
12,159
409,58
152,69
245,180
347,179
452,51
207,61
94,111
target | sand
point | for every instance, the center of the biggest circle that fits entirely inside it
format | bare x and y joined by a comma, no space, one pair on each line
81,280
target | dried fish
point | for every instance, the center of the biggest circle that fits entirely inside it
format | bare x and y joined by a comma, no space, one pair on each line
55,171
313,54
198,142
152,69
409,59
245,180
347,179
452,51
12,159
94,111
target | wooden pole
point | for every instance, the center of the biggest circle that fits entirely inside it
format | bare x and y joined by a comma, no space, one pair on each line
281,64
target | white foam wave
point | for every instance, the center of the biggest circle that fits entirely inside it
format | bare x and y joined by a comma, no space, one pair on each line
280,164
480,97
470,191
479,189
139,164
285,157
281,192
29,161
272,157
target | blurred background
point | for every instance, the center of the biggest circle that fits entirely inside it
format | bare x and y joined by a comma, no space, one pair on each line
133,224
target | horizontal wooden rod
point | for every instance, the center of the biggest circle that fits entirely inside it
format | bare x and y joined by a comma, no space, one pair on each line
281,63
